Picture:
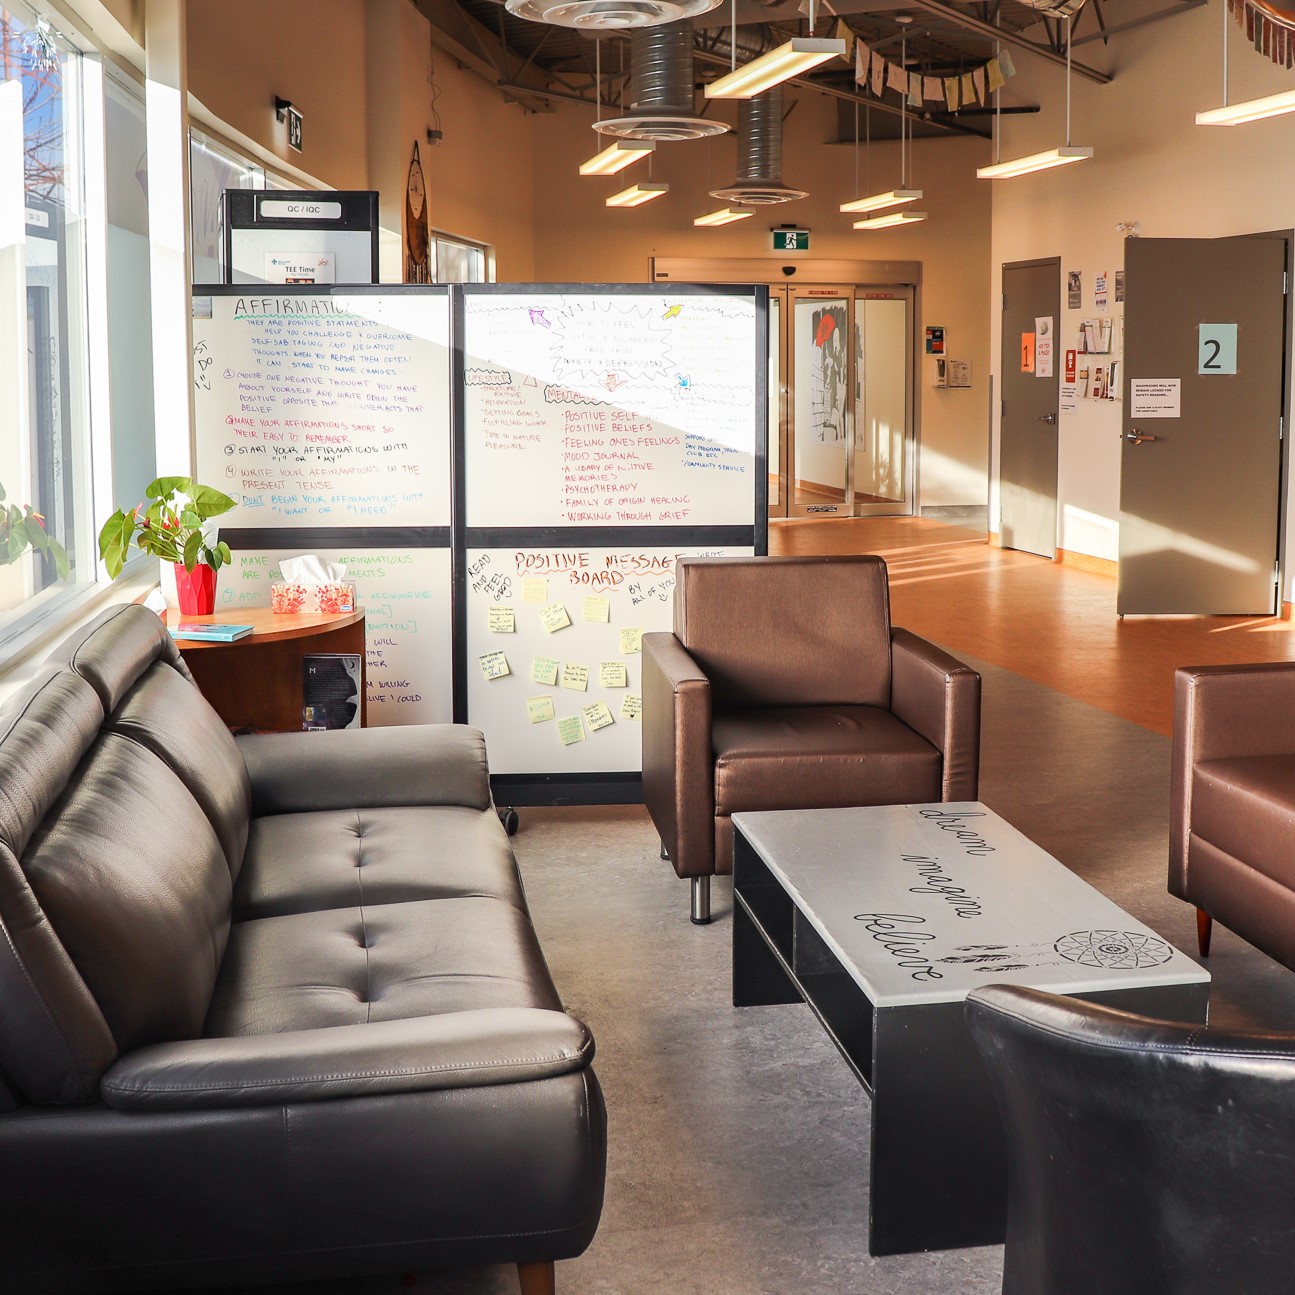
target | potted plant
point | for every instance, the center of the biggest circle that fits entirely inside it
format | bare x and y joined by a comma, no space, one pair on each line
172,525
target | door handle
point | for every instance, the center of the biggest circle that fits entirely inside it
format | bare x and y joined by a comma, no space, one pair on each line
1050,419
1135,437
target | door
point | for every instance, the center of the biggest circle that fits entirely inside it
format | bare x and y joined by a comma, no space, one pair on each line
1200,454
1027,458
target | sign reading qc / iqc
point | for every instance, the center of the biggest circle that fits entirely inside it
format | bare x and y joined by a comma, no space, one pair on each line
1216,349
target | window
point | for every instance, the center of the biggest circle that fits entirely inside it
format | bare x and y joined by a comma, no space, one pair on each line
458,261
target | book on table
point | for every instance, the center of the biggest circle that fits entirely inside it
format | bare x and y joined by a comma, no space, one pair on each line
209,631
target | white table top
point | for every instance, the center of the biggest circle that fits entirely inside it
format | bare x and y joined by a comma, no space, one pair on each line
921,903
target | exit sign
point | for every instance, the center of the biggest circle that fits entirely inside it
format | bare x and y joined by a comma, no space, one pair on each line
791,240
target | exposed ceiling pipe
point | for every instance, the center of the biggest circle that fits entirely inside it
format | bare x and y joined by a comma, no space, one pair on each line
759,154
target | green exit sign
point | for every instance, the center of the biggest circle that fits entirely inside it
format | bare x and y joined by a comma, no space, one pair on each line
791,240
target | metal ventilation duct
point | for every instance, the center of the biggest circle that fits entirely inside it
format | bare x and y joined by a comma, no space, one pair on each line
662,89
608,15
759,154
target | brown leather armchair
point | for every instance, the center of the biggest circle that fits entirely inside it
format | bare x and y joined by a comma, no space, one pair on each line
1232,804
784,686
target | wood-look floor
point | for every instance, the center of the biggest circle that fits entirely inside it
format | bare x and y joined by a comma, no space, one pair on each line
1049,621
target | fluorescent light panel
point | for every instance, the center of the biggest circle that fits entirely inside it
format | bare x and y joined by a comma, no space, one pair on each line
1035,162
890,220
617,156
1234,114
798,55
724,216
637,194
880,201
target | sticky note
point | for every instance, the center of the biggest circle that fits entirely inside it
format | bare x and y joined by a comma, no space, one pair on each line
502,620
631,706
612,674
570,729
597,715
575,676
598,607
535,589
494,665
632,639
538,709
553,616
544,669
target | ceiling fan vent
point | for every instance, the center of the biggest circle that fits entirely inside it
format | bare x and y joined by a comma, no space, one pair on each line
608,15
759,153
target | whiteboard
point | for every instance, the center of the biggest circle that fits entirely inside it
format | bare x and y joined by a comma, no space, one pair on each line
517,587
611,409
324,409
405,596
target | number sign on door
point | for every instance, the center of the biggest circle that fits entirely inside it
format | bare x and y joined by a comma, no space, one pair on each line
1216,349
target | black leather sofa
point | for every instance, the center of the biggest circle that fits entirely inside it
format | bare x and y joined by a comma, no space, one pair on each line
269,1008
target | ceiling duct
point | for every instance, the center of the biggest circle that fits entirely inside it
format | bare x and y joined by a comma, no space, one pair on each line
608,15
662,89
759,154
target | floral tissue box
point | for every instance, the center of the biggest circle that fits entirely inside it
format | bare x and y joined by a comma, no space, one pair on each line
294,597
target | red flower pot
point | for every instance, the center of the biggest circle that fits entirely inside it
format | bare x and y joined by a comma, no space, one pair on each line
196,589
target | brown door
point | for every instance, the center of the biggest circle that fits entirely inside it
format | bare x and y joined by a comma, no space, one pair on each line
1027,463
1200,459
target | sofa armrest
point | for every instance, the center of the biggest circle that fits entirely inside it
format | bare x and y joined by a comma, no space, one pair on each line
678,766
1221,712
454,1050
367,768
939,697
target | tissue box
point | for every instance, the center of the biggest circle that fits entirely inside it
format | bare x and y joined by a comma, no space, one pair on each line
290,596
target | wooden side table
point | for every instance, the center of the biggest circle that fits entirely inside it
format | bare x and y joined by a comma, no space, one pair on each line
255,682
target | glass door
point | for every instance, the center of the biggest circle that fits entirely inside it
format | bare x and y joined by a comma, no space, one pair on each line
883,401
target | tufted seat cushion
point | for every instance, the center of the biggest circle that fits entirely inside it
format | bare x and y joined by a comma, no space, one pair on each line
345,858
384,962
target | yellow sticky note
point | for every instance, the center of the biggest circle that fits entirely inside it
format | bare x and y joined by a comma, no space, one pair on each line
597,715
631,706
553,616
570,729
612,674
535,589
598,607
632,639
575,677
502,620
544,669
538,709
494,665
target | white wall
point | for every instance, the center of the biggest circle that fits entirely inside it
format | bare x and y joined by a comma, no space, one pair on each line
1151,164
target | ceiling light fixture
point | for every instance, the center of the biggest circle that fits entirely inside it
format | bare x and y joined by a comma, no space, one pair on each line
1234,114
798,55
724,216
890,220
607,15
880,201
637,194
1050,157
616,157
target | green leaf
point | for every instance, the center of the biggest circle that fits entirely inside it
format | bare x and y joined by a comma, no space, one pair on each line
114,541
165,487
192,547
208,502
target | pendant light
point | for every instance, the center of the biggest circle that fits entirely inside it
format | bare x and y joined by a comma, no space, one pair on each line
1234,114
800,54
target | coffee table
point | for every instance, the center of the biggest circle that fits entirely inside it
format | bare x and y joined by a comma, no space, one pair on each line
882,919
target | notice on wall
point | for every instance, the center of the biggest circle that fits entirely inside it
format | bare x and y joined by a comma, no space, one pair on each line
324,410
405,595
1155,398
611,409
1043,347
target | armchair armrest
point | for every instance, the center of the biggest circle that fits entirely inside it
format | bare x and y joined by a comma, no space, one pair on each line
939,697
1221,712
366,768
453,1050
678,766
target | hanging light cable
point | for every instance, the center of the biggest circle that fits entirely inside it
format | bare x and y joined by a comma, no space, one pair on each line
894,197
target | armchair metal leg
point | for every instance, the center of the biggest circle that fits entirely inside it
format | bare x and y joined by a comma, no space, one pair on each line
537,1278
1204,929
701,900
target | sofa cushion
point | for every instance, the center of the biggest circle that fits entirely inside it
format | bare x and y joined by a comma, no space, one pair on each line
134,883
167,714
816,757
1246,807
383,962
349,858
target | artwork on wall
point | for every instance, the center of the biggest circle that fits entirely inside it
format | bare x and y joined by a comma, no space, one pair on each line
418,260
828,391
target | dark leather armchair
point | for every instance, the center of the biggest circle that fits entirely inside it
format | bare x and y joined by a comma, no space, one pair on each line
1232,807
1142,1155
784,686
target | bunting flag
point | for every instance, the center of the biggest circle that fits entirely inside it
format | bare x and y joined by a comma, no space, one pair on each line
843,33
1005,63
914,89
968,89
951,93
994,75
874,73
862,57
896,78
878,75
932,88
1271,30
978,81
